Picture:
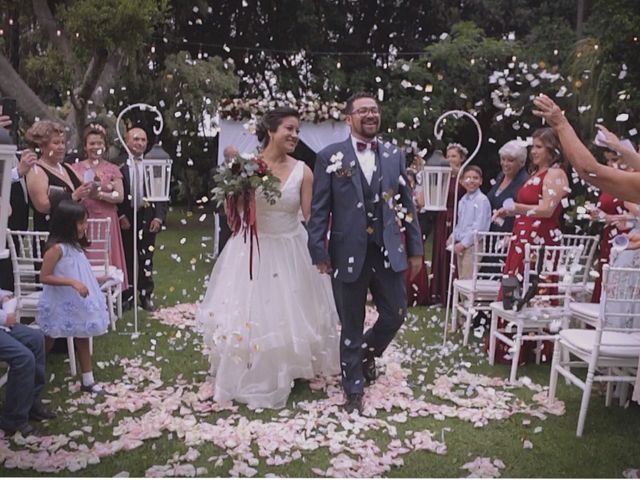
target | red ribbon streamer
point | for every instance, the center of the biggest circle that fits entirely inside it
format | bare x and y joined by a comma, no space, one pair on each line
244,221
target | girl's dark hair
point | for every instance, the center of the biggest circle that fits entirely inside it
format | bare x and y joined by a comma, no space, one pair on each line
63,227
551,142
270,122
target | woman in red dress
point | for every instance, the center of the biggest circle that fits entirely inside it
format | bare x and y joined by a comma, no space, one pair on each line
442,228
538,208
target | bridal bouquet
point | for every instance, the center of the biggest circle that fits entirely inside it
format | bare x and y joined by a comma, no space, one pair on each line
237,182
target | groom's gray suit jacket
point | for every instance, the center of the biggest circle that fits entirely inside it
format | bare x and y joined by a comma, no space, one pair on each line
338,200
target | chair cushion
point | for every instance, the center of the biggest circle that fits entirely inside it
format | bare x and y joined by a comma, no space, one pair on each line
29,300
584,309
613,344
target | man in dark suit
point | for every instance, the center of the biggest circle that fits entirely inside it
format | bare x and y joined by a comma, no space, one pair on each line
150,219
362,185
19,201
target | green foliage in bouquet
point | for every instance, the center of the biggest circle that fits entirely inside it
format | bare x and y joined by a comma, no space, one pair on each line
244,175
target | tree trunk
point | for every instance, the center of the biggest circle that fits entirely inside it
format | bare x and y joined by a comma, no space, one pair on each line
29,105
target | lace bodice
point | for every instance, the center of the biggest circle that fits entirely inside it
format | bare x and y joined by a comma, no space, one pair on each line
283,217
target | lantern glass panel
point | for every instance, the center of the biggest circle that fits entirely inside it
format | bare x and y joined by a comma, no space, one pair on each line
157,176
435,184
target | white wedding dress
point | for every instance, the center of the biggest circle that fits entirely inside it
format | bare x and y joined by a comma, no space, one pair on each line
282,325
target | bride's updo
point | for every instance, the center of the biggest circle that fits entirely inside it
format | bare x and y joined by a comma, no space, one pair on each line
270,122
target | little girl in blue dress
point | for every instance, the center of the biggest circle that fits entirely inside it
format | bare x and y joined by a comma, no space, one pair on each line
71,303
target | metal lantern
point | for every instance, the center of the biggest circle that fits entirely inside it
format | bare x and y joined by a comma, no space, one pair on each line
156,166
436,176
7,157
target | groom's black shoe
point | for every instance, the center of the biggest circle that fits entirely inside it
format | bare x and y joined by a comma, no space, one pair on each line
369,369
354,402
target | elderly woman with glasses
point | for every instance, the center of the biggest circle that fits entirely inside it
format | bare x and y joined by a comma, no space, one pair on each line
513,156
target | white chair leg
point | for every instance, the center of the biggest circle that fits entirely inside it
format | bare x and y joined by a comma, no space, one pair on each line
467,327
553,378
609,391
454,311
517,343
623,388
492,337
119,303
584,404
538,352
91,346
111,307
566,357
72,356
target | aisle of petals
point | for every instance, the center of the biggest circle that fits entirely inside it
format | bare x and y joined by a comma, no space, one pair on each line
141,407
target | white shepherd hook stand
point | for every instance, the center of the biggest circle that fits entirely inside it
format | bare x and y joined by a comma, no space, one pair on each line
438,134
134,196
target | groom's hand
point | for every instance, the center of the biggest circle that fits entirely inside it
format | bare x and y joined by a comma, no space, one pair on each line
415,264
324,267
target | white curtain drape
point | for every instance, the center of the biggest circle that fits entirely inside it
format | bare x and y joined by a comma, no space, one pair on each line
318,135
233,133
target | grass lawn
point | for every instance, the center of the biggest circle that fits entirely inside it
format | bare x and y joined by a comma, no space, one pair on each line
160,414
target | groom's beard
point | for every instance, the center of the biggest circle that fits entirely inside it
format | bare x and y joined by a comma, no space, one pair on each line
367,128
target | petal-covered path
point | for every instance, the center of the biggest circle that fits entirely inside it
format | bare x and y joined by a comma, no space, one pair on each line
141,407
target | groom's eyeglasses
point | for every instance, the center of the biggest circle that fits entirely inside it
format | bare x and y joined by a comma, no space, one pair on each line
365,110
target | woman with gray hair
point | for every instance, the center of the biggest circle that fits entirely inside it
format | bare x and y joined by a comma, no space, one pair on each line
513,156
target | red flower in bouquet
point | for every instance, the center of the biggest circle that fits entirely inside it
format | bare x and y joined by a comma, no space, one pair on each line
263,168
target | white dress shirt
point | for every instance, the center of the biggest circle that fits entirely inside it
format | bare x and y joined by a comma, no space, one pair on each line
15,177
136,172
366,158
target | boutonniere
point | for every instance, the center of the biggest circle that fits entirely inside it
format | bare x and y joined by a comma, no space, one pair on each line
335,166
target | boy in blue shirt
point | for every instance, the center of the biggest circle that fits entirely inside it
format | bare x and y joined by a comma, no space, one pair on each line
474,215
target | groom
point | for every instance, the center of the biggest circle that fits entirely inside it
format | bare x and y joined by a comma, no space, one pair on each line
358,187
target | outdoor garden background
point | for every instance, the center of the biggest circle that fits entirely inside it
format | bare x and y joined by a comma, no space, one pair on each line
76,60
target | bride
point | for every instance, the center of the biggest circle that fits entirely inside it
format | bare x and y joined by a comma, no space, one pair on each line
264,333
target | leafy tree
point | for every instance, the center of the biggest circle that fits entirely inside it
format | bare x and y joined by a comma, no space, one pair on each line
74,48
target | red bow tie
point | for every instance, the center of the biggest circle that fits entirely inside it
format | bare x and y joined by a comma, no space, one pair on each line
361,146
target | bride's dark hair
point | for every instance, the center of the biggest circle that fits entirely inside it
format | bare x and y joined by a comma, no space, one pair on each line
270,122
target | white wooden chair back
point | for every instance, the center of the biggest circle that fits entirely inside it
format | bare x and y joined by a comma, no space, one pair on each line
27,251
620,301
558,266
611,352
589,245
489,254
99,236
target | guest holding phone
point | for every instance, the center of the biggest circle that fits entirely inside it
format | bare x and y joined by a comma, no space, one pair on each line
50,177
